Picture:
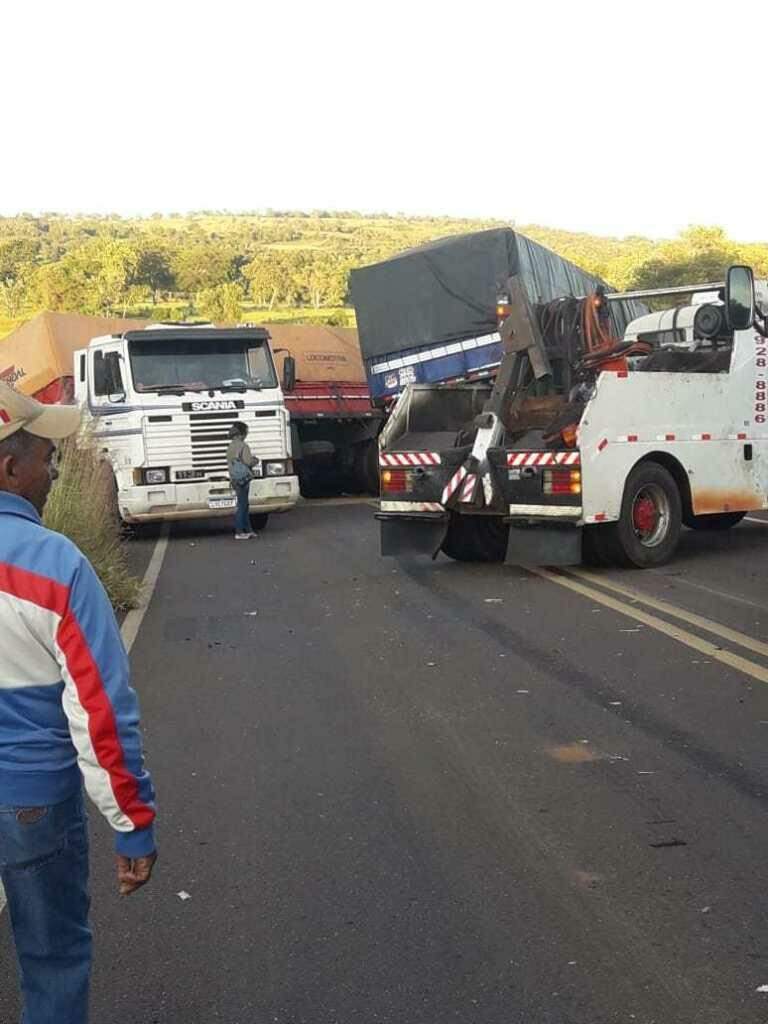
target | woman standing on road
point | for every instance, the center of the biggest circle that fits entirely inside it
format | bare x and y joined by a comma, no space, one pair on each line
241,462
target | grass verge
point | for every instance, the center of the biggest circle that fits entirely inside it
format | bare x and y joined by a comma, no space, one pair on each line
82,506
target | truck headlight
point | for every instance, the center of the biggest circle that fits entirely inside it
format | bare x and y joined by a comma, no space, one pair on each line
275,469
155,476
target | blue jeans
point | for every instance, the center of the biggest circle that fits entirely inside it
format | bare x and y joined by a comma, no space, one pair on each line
242,516
44,868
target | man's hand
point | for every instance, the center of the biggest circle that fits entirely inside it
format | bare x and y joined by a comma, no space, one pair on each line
133,872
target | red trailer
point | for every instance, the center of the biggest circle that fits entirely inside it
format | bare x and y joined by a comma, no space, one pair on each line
335,426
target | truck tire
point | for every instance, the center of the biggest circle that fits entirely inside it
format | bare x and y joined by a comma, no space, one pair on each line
310,480
717,521
259,520
651,519
476,539
367,467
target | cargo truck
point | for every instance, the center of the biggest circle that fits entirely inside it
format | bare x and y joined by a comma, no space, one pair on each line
159,401
542,419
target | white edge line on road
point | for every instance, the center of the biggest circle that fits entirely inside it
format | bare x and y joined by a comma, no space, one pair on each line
132,621
754,519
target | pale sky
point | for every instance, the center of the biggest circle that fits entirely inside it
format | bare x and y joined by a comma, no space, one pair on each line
615,118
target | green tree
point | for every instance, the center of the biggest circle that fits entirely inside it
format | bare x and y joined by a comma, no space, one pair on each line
154,270
16,257
13,294
204,265
325,280
699,254
223,303
97,278
269,278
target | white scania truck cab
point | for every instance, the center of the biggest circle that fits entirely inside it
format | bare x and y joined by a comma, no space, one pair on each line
159,404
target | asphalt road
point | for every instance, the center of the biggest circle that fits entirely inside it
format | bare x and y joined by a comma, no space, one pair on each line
427,793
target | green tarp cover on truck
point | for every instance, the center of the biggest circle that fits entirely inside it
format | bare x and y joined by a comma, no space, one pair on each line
447,290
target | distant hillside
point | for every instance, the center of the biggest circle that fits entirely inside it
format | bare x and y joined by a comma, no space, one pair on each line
282,265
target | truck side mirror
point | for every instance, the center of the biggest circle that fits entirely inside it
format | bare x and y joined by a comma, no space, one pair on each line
740,298
289,373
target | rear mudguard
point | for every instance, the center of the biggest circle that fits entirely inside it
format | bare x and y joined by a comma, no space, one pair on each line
544,545
412,535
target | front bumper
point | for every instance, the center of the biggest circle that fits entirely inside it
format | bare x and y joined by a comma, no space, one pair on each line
191,500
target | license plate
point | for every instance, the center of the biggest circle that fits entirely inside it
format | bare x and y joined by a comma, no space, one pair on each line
222,502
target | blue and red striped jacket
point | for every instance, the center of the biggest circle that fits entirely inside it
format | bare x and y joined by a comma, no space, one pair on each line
65,695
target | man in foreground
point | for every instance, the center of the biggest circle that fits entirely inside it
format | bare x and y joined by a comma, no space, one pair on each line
66,708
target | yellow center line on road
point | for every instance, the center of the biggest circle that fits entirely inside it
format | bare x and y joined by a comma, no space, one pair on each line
705,647
725,632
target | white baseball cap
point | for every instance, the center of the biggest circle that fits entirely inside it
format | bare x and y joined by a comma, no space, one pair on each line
19,412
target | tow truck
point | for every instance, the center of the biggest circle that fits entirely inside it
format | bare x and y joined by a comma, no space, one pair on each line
586,445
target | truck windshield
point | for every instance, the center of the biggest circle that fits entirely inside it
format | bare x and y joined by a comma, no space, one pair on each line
190,365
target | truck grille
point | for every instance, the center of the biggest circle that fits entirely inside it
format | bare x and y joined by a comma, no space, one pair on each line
198,441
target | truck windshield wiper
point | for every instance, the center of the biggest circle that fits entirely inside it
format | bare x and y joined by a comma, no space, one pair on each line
172,389
241,385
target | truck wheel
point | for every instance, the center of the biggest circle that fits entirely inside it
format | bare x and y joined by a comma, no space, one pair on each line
717,521
367,467
651,518
259,520
310,484
476,539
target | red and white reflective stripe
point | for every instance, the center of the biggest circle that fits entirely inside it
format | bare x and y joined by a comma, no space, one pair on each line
410,506
4,416
603,444
409,458
453,484
702,437
531,459
665,437
737,437
628,438
599,518
543,458
469,487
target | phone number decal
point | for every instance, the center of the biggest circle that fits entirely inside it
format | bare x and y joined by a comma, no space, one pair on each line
761,385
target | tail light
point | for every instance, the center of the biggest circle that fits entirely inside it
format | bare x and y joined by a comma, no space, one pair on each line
396,480
568,435
562,481
503,309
